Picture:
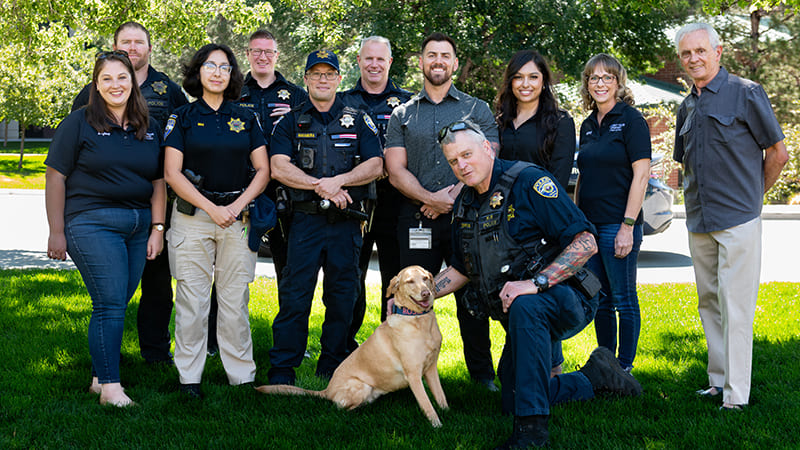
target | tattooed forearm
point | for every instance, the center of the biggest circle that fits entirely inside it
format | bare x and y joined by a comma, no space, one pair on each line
448,281
582,247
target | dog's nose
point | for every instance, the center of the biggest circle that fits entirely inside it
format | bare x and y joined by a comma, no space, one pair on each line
426,293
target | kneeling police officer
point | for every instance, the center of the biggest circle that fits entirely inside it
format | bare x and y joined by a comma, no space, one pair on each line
520,243
325,153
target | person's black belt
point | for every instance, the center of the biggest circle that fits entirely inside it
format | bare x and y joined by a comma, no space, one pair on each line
333,213
221,198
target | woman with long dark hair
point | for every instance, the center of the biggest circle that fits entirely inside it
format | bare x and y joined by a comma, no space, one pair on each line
211,146
614,160
532,127
106,200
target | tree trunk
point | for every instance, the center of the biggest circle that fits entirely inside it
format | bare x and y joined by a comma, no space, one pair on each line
5,135
21,144
755,35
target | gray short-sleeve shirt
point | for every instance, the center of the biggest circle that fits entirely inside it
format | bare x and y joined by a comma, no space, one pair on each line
720,138
416,124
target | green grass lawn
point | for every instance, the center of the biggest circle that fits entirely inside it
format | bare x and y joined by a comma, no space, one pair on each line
31,176
44,403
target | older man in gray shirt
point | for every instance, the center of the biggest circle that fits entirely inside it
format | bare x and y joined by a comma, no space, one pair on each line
732,151
419,170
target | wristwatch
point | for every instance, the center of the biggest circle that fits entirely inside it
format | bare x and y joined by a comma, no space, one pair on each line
629,221
540,280
158,226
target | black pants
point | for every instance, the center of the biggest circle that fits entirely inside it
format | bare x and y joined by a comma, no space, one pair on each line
474,332
384,236
155,309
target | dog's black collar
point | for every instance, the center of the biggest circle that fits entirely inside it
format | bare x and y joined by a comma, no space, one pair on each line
403,311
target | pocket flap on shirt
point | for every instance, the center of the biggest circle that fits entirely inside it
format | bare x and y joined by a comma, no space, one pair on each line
725,120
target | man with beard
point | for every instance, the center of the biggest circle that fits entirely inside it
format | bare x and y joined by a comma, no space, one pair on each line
377,95
418,169
162,96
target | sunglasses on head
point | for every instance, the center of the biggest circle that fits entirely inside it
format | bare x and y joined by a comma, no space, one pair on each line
459,125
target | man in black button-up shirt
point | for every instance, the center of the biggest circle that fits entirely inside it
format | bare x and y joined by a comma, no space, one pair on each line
732,151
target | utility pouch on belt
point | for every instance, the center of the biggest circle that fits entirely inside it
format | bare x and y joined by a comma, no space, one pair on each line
586,282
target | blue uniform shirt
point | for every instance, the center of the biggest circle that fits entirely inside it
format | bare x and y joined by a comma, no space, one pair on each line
604,159
215,144
105,169
378,106
533,212
263,101
284,136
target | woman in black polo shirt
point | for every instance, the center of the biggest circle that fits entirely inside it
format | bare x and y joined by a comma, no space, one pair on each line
532,127
105,186
614,161
216,142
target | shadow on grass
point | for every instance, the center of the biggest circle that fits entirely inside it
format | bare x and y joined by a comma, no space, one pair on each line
30,167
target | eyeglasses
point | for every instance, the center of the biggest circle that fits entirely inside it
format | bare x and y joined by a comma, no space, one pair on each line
456,126
594,79
316,76
257,52
210,67
111,53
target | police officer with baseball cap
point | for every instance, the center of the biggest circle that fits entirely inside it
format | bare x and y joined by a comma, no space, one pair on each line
325,153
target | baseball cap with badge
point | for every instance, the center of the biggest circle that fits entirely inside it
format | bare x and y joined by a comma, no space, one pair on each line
322,57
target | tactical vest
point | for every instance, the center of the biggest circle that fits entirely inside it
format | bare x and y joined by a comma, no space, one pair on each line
156,94
492,256
326,150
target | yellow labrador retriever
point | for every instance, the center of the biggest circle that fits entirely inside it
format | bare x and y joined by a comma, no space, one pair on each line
399,353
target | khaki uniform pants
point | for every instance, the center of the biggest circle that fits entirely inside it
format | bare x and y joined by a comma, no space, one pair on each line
727,267
200,251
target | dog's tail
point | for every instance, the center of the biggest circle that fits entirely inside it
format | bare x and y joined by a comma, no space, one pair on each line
288,390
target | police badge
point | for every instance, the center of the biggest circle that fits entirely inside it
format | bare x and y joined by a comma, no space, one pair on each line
159,87
347,121
236,125
284,94
393,102
546,187
496,200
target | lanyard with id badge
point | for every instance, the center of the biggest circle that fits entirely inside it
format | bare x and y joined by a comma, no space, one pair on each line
420,238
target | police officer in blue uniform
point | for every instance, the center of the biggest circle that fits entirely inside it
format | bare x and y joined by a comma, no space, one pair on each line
377,95
521,243
163,96
325,153
268,94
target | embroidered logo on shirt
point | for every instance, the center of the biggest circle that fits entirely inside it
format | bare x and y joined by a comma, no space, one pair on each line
149,136
546,187
370,124
284,94
511,212
103,133
170,125
159,87
616,127
347,121
496,200
393,102
236,125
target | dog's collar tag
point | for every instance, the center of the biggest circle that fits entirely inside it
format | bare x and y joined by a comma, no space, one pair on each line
403,311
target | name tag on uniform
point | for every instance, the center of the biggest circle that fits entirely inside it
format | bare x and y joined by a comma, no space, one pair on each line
420,238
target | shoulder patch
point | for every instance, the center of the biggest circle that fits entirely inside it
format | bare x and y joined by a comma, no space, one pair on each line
370,124
170,125
545,187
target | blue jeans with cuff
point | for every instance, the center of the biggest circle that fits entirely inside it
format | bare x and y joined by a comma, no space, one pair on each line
109,248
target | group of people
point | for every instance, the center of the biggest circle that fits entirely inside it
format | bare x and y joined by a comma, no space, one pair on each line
482,193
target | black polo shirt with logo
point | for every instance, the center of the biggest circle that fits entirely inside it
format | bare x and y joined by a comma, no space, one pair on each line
105,169
263,101
215,144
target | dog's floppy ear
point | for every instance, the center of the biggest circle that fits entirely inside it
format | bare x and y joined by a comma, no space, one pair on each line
392,289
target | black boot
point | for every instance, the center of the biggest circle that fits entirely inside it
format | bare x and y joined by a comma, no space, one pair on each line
529,431
606,375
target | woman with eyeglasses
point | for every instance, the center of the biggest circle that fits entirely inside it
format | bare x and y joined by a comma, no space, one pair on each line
216,162
532,126
106,198
614,163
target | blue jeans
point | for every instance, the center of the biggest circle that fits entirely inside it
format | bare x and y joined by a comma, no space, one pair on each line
109,247
535,322
618,294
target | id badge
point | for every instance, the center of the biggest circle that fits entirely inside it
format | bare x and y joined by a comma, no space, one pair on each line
420,238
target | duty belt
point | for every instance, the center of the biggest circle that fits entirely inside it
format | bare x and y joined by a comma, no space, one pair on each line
221,198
